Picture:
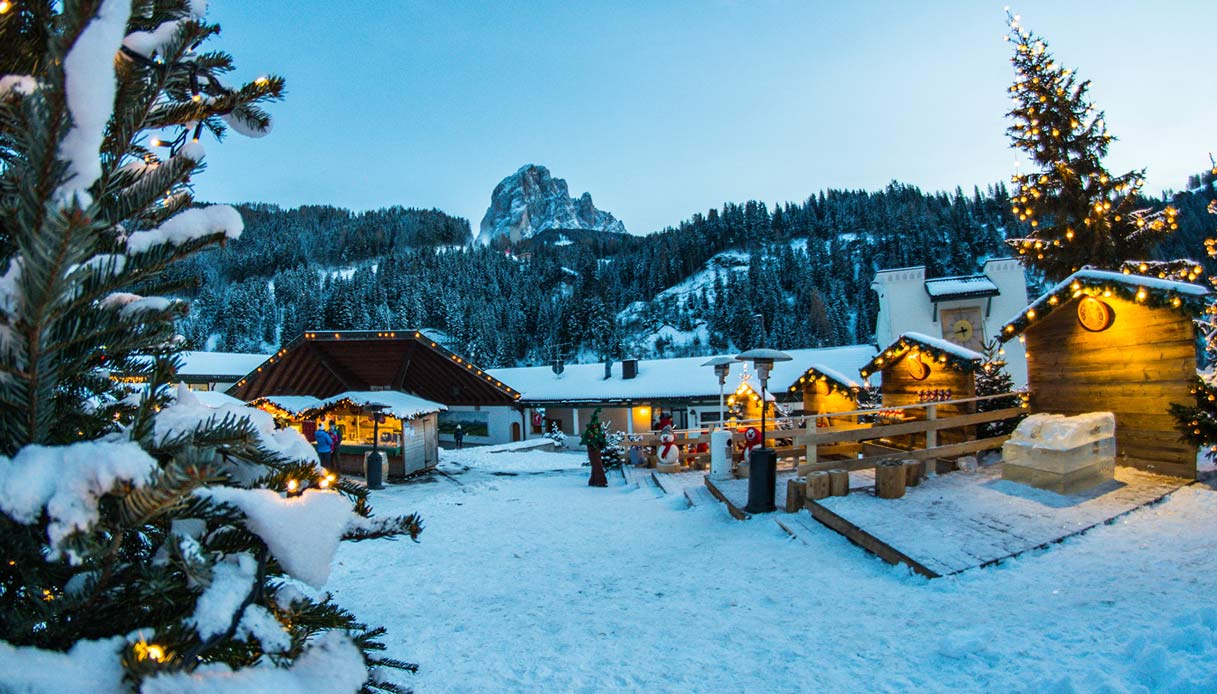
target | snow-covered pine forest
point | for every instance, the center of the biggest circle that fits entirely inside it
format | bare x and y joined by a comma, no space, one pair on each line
686,290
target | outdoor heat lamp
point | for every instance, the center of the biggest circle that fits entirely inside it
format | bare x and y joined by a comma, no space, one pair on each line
722,369
762,472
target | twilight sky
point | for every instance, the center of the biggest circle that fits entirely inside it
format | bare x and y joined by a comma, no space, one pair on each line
663,109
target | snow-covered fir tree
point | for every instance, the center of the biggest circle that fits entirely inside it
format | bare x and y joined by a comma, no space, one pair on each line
149,541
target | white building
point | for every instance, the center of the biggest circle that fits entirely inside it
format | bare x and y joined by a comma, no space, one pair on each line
967,310
633,392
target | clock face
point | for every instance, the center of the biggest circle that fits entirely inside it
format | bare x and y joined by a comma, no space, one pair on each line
964,326
1094,315
961,331
917,369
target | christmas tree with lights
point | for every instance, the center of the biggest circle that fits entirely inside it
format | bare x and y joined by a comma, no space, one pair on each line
1197,422
148,541
1077,212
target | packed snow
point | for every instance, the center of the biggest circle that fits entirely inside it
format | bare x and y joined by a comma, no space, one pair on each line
188,412
17,84
231,581
538,582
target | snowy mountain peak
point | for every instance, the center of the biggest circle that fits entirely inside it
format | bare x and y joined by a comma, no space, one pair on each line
531,201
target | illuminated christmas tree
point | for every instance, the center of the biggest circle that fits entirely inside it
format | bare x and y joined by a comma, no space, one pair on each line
1078,212
149,541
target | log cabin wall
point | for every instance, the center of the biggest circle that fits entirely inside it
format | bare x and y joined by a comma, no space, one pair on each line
1136,368
826,403
900,388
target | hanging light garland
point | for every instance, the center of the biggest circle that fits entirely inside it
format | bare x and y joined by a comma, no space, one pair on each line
940,356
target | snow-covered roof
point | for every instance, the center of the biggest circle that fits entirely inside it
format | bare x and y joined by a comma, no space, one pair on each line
683,377
1185,297
214,398
945,350
234,364
399,405
293,404
963,286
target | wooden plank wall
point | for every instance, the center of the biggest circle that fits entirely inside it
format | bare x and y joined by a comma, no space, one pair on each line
899,388
1136,368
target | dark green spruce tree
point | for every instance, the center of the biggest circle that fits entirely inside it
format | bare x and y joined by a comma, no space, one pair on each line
142,533
1078,212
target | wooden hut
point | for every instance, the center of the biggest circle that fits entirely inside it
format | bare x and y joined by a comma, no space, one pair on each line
748,400
826,390
917,369
407,436
324,364
1105,341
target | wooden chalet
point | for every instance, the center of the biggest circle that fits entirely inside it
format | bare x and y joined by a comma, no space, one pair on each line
1105,341
918,369
826,390
326,364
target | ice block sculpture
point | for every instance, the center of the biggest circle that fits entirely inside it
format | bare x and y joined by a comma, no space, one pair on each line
1062,454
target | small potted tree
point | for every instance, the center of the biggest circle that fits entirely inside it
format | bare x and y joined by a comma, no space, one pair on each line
593,437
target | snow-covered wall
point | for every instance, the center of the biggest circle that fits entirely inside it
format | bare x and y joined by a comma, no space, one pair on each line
905,306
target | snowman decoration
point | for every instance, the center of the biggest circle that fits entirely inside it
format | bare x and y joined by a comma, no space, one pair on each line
752,441
669,452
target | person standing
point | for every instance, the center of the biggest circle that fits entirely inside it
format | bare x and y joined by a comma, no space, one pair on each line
325,446
335,437
459,435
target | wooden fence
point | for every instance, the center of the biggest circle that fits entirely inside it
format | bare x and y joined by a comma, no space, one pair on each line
808,441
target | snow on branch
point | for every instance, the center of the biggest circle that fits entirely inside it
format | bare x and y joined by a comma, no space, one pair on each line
17,84
91,666
189,225
89,86
331,663
301,532
67,481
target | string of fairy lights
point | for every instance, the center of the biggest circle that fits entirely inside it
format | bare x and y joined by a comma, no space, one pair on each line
912,348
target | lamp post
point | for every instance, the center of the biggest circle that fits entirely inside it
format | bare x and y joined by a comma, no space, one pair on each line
762,472
373,465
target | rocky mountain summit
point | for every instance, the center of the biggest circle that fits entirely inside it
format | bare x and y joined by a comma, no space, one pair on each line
531,201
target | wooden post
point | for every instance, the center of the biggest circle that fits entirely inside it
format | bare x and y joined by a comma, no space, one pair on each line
817,485
913,470
838,482
795,495
889,479
931,436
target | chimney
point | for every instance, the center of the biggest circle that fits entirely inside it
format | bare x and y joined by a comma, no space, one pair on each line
629,368
608,369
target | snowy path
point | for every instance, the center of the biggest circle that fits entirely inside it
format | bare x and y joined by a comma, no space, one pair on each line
539,583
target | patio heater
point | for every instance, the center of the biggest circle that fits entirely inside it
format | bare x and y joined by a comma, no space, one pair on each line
762,465
720,438
373,464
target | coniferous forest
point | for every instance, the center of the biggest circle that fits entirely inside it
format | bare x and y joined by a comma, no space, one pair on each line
806,268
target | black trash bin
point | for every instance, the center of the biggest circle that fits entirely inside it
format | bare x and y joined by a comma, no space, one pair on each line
374,465
762,480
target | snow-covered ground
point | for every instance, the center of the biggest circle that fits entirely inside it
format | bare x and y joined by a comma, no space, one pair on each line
536,582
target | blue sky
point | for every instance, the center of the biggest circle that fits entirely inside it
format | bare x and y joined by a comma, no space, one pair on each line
663,109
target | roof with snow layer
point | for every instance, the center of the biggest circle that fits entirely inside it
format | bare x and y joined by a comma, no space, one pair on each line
680,378
949,288
1184,297
291,404
397,404
943,351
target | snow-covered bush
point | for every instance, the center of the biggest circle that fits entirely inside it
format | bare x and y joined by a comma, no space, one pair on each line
556,435
150,542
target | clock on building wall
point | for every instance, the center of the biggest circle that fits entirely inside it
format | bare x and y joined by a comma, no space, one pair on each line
1094,315
963,326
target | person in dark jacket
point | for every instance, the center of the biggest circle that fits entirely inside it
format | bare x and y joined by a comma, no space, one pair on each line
459,435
